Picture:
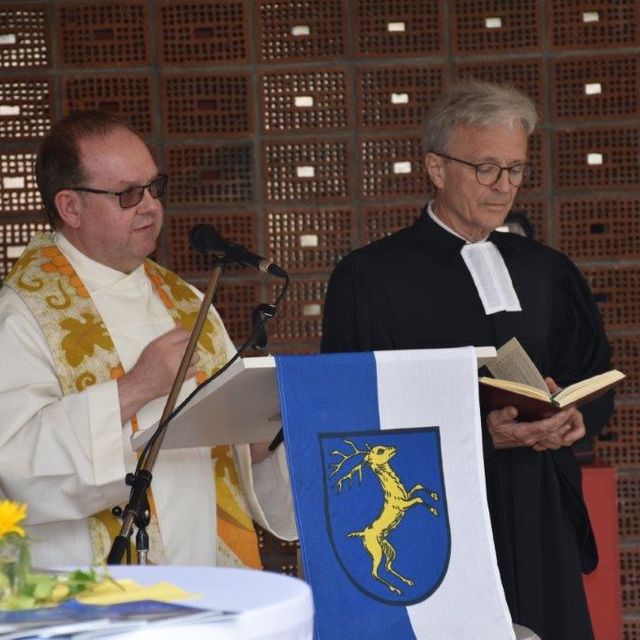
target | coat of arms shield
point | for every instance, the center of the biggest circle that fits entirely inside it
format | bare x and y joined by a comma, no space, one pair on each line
386,511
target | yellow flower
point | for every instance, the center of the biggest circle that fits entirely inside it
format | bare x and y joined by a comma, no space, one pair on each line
11,514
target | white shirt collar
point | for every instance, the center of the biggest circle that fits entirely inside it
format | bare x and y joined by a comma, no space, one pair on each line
488,270
95,275
439,222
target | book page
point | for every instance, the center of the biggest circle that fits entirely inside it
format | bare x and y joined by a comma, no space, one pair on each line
516,387
513,363
584,387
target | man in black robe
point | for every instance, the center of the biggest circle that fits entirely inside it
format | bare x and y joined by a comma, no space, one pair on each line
416,289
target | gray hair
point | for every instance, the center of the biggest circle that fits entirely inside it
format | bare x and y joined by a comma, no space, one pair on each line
477,103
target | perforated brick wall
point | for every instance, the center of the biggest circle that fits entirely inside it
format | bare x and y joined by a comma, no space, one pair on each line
295,128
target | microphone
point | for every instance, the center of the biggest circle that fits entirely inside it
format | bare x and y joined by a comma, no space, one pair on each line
204,238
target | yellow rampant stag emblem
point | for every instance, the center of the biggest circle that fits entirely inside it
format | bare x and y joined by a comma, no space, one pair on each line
397,501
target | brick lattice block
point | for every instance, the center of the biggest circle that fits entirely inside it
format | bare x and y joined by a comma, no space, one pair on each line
626,357
310,240
237,227
590,229
622,455
629,504
577,24
379,222
631,627
25,39
127,96
526,75
397,97
617,292
536,213
209,174
624,425
202,32
304,101
207,105
302,30
300,316
18,189
630,577
602,158
398,28
14,237
487,26
393,167
112,34
235,300
595,87
307,170
26,105
537,158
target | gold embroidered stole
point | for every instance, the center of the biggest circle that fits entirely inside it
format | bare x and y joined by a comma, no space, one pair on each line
84,354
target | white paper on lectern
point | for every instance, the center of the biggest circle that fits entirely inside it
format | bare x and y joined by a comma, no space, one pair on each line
239,407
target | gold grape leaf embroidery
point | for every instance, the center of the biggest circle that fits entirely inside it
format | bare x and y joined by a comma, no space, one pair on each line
26,259
83,337
179,289
224,464
187,320
21,267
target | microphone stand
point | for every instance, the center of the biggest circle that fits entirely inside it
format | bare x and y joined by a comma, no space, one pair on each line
137,510
259,317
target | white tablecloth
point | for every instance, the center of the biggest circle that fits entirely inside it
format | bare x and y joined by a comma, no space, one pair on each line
271,606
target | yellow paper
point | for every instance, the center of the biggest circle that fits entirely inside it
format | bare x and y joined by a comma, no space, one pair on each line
109,593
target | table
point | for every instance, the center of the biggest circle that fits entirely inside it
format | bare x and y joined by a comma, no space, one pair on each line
272,606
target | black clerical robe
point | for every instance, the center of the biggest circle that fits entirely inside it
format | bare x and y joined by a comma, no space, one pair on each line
412,290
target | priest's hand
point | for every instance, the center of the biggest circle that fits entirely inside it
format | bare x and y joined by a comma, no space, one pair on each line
559,430
155,370
259,451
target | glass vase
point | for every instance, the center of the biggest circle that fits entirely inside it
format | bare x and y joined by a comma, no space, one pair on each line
9,568
14,565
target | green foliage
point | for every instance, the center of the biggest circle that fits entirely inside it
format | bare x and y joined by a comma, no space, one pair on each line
43,589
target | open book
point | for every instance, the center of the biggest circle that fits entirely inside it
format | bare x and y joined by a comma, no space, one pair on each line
518,383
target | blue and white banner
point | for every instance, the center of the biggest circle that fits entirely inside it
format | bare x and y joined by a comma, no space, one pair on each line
385,456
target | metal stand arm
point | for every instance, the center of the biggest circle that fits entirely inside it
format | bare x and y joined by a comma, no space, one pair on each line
137,510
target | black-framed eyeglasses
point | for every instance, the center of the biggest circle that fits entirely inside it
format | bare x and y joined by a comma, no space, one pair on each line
131,196
488,173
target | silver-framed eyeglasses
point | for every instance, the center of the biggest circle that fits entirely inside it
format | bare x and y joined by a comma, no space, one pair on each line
488,173
131,196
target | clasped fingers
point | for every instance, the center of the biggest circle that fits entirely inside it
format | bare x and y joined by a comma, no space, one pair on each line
559,430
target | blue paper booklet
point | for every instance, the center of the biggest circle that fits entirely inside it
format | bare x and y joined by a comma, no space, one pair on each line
71,617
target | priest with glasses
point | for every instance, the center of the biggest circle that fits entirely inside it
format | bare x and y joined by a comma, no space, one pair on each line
92,334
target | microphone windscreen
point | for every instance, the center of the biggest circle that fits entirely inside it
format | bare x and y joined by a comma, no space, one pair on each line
204,237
